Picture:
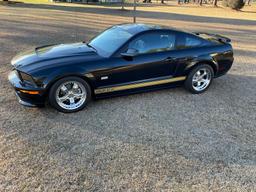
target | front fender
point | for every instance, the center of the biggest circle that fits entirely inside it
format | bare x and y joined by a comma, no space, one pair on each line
55,74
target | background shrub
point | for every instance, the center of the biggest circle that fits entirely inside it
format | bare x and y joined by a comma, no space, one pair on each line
233,4
236,4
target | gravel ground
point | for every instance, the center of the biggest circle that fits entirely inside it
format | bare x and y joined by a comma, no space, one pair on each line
167,140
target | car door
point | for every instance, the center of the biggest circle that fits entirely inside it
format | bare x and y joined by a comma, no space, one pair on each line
154,59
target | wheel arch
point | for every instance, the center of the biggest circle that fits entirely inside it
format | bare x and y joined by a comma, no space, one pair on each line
211,62
84,77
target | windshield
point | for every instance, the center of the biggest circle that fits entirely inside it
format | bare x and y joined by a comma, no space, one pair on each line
110,40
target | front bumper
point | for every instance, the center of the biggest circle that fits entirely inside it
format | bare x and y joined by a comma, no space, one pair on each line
25,103
23,92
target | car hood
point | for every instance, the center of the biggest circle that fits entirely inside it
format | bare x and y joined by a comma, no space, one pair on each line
51,52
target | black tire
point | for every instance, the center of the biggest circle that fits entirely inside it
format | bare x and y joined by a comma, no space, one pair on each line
189,81
52,94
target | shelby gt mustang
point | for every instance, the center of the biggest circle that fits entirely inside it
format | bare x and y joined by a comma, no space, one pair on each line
123,59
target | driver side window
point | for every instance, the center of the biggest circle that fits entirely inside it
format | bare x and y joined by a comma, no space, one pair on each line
153,42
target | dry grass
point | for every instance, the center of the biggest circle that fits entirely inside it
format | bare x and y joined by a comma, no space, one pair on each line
160,141
248,12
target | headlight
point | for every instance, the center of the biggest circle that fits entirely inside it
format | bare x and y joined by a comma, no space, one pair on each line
27,79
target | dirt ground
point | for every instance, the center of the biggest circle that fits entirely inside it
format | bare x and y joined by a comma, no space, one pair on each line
167,140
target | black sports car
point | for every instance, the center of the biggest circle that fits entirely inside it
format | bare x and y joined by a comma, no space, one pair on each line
123,59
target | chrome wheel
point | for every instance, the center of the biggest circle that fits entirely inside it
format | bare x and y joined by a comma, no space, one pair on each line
201,79
71,95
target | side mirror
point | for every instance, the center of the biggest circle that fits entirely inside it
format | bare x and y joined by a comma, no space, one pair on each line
130,53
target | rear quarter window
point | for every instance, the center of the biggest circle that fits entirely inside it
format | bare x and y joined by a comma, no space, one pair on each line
186,41
192,42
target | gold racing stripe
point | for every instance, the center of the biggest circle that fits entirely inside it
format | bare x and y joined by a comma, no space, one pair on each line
138,85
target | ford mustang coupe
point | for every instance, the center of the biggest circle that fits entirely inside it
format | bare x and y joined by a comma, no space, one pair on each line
127,58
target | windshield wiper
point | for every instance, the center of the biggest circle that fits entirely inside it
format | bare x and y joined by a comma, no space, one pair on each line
91,47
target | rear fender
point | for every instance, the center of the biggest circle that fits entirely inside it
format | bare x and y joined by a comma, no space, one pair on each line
205,59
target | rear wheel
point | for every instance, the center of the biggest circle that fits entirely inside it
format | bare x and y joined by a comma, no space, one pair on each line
70,94
199,79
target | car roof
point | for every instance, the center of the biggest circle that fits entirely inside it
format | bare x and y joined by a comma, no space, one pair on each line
135,28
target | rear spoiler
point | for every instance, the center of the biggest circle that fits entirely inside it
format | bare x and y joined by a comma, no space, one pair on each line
215,36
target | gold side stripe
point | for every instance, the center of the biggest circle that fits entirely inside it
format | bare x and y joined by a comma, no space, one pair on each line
138,85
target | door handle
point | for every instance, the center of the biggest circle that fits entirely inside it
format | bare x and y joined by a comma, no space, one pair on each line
170,59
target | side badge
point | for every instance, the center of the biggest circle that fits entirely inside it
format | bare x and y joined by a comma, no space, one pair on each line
104,78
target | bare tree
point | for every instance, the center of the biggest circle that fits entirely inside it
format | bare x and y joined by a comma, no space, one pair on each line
215,3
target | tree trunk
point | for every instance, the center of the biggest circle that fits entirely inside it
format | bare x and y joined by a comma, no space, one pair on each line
215,3
162,1
134,10
122,4
249,1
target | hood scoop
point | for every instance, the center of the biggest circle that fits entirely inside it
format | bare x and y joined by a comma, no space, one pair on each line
62,50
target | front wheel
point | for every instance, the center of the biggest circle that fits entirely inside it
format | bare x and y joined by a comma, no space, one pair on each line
70,94
199,79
